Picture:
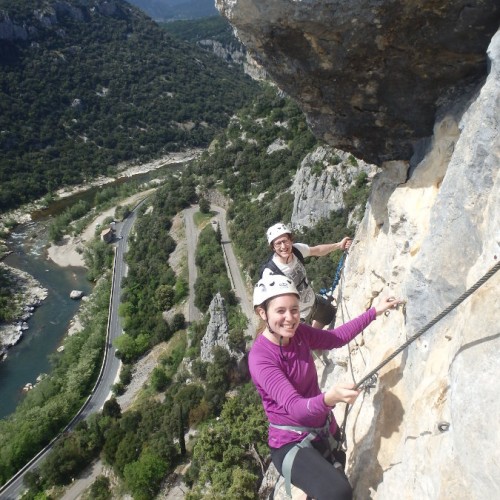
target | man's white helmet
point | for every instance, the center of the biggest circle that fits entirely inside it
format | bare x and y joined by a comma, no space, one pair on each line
277,230
271,286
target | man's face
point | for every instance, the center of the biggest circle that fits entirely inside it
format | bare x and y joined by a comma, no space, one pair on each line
282,245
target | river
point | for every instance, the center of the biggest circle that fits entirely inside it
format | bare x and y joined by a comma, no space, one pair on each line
48,325
50,322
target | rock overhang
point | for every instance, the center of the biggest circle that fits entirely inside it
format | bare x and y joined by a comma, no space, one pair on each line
369,75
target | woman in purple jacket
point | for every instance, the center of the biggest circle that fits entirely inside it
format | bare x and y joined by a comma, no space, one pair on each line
283,371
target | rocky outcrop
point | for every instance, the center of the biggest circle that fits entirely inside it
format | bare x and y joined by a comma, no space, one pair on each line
253,69
370,75
52,15
217,333
321,181
235,54
29,295
232,54
215,197
431,228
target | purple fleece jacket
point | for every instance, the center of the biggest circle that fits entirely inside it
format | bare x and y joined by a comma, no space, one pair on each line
287,380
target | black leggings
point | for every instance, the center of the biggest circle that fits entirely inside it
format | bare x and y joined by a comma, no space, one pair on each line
313,473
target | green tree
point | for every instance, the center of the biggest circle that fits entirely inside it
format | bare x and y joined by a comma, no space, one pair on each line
159,379
204,206
128,450
112,408
182,442
242,485
234,443
65,461
165,296
33,482
98,257
178,322
100,489
126,348
143,477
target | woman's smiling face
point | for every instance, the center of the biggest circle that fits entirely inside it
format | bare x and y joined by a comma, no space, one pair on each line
282,316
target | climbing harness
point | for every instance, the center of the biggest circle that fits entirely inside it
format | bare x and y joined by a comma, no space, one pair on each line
369,380
313,432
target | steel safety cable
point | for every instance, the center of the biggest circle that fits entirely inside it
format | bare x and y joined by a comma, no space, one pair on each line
429,325
370,376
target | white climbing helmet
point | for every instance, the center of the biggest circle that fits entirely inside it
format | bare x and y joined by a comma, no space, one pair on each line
277,230
271,286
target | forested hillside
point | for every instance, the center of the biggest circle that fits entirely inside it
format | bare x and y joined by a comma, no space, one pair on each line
253,163
86,85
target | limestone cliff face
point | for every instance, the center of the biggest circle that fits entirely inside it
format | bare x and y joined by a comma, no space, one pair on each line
235,54
217,333
431,228
427,236
369,74
323,177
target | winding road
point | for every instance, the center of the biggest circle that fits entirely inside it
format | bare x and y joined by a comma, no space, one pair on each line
193,313
110,367
111,364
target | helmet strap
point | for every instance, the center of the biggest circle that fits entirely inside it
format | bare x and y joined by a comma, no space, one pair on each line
283,357
272,332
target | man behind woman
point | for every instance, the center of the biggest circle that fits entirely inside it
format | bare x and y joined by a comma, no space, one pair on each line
288,259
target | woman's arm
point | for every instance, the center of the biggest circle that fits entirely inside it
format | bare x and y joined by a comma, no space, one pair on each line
275,385
340,336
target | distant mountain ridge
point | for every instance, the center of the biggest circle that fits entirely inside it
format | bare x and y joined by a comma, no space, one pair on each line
87,84
172,10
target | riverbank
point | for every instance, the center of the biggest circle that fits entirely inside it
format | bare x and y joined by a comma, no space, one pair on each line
22,214
69,252
27,291
29,294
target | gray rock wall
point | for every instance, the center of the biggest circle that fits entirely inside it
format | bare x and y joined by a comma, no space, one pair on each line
428,240
217,333
369,74
431,228
323,177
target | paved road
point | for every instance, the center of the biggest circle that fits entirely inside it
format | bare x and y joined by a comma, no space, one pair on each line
193,313
234,273
234,270
111,365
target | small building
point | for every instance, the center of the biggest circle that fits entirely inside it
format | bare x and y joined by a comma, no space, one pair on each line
107,235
